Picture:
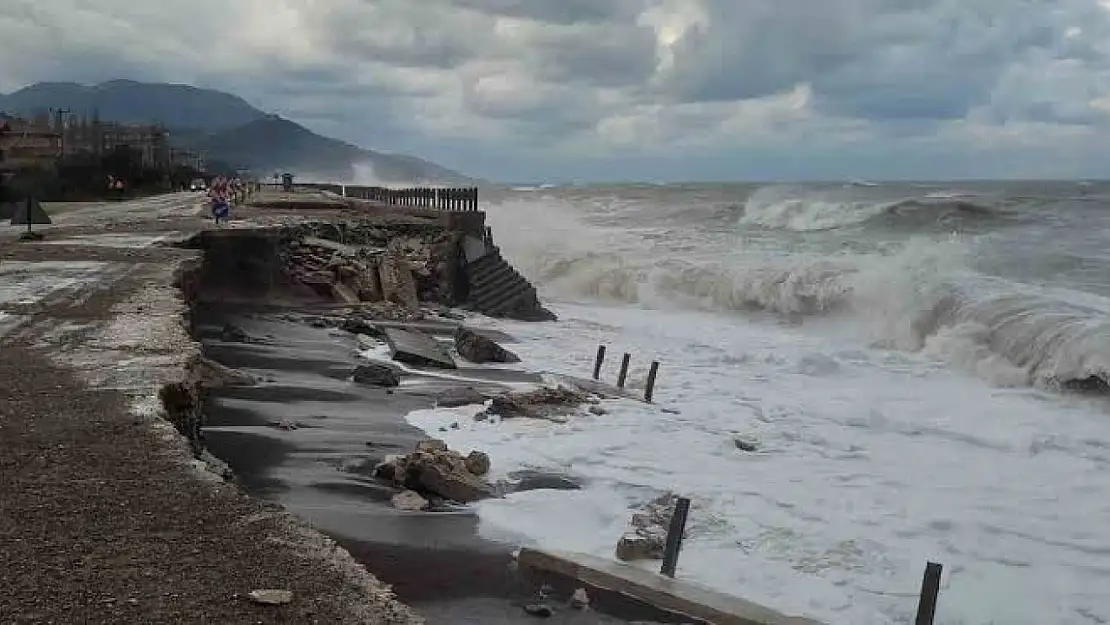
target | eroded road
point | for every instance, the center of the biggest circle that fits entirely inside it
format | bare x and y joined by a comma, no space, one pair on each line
105,515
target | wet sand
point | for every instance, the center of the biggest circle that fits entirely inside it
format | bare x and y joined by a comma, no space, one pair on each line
320,471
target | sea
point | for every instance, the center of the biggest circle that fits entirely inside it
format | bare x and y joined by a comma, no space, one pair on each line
921,370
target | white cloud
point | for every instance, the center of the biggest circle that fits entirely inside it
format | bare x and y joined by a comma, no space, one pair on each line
541,83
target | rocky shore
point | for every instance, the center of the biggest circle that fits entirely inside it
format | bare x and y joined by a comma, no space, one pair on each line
399,288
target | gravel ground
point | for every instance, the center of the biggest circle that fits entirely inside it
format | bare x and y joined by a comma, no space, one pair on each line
103,519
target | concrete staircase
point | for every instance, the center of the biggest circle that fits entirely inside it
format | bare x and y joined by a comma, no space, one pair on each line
498,290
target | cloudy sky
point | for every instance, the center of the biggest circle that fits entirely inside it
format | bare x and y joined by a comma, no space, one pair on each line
627,89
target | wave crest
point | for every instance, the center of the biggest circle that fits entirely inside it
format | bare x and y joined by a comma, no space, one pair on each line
921,296
810,210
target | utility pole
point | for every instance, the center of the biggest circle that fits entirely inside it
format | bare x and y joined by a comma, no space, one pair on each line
59,124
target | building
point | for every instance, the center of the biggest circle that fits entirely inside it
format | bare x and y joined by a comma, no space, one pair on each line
187,158
151,141
41,140
27,144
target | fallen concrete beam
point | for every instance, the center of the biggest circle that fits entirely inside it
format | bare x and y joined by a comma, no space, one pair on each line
417,348
664,593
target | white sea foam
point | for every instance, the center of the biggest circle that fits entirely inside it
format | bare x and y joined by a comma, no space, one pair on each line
876,453
870,463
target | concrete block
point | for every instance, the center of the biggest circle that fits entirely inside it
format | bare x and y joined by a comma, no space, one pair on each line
417,348
668,594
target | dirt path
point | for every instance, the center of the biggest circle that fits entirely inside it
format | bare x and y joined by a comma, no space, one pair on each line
105,515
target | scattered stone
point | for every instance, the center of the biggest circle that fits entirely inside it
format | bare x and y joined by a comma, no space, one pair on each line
541,610
30,235
389,469
271,596
376,374
544,403
358,325
744,443
459,396
477,462
640,545
410,501
285,424
580,600
431,446
212,374
233,334
538,480
479,349
646,537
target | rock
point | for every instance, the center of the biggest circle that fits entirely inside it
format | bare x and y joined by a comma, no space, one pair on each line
460,396
434,471
479,349
541,610
477,463
409,501
390,468
580,600
31,235
271,596
542,403
376,374
431,446
634,546
286,424
214,375
744,443
398,285
444,474
358,325
646,537
597,410
539,480
233,334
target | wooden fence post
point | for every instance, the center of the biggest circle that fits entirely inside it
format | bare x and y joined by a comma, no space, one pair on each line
674,536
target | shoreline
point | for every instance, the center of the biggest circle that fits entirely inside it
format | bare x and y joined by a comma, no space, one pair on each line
131,329
85,359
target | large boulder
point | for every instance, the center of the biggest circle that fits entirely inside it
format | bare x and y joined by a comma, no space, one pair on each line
542,403
479,349
434,470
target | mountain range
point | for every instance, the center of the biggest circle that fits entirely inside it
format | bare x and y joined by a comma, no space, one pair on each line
226,128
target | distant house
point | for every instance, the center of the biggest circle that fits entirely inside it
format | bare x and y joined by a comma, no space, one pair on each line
28,144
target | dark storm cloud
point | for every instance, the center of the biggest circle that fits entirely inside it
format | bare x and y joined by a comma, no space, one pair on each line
519,80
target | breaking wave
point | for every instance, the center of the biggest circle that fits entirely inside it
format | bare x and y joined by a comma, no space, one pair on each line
808,210
920,296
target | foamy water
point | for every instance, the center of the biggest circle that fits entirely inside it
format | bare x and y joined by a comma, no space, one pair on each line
902,393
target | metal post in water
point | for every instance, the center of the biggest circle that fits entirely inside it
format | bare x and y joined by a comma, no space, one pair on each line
624,370
930,588
674,537
598,360
649,390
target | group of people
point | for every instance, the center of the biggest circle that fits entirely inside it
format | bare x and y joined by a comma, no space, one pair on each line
225,192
